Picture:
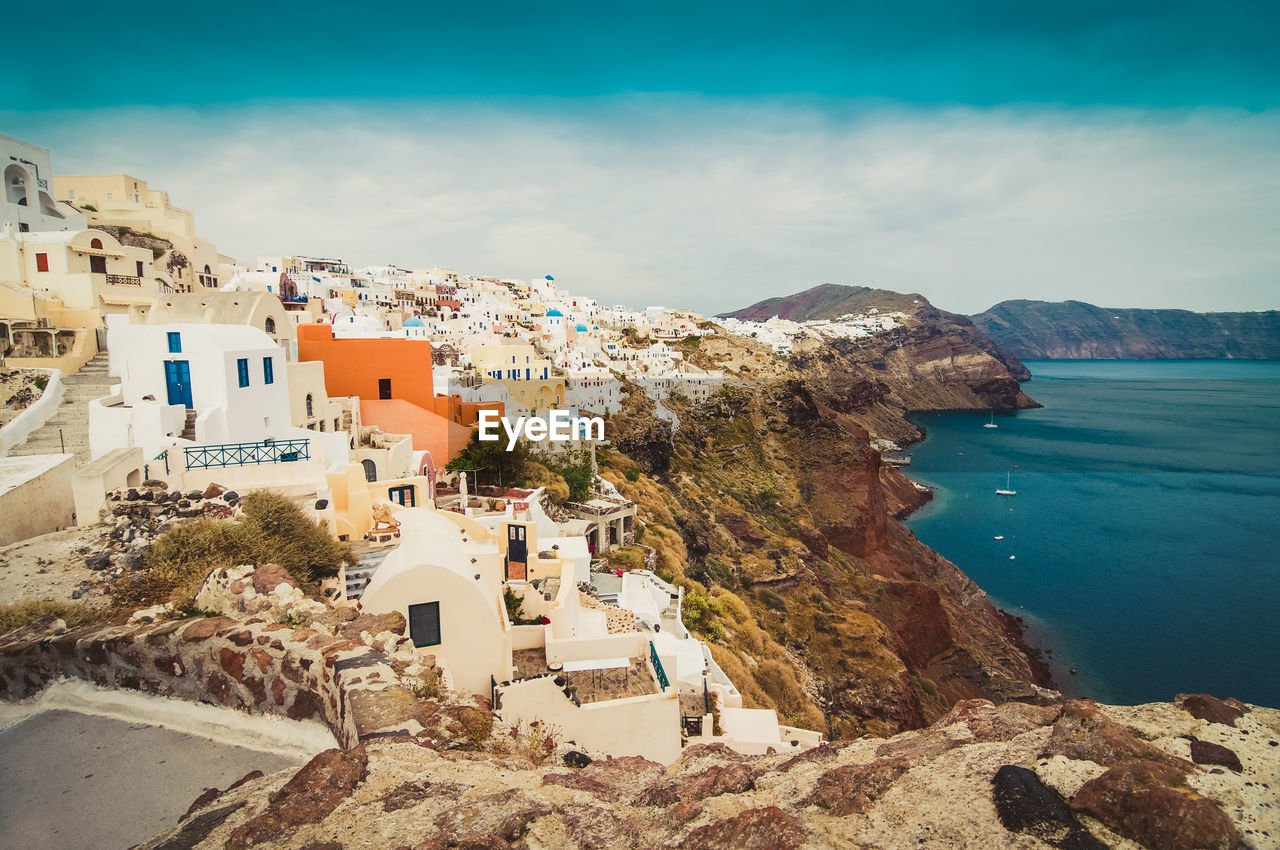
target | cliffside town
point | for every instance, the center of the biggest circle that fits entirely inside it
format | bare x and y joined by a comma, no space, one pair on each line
277,503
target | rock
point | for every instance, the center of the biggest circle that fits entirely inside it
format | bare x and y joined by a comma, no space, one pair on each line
614,779
211,492
1152,804
1203,752
413,792
132,561
712,782
231,497
77,593
207,797
206,627
1206,707
1000,723
853,788
155,484
503,816
394,707
132,495
313,792
1025,805
100,561
373,624
576,759
754,829
1084,732
268,577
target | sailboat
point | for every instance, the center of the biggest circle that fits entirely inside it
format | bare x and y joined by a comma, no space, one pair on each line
992,423
1008,487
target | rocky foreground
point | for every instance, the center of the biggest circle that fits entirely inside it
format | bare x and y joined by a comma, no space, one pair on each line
1202,773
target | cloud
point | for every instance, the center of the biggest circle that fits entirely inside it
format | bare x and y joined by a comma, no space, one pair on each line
715,205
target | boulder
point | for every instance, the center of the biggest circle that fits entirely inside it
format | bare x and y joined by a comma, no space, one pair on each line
1025,805
313,792
211,492
268,577
576,759
769,828
1152,804
1206,707
1083,732
497,818
613,779
100,561
1203,752
853,788
718,779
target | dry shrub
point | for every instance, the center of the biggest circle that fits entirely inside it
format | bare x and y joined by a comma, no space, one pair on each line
74,614
535,740
273,530
539,475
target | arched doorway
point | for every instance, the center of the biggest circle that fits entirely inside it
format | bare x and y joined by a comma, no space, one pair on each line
370,470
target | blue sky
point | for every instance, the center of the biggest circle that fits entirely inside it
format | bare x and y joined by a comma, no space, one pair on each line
708,155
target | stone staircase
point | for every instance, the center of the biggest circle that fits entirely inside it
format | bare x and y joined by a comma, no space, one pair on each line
189,427
72,419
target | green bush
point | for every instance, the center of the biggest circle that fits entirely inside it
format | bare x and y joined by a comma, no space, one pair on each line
701,614
514,603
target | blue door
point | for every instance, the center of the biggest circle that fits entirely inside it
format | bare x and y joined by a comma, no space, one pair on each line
177,376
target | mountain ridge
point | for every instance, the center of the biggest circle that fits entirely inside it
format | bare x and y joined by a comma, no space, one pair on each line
1067,330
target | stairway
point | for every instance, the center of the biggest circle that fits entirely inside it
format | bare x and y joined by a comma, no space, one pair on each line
189,427
72,419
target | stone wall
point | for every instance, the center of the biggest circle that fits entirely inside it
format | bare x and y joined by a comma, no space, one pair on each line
253,666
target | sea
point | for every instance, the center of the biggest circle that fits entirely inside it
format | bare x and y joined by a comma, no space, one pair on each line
1142,546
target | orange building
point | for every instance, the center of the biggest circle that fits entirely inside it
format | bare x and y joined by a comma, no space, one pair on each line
392,379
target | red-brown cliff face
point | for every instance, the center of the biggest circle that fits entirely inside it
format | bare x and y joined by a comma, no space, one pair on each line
782,514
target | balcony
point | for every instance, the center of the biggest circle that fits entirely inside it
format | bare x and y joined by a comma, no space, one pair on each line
123,280
246,454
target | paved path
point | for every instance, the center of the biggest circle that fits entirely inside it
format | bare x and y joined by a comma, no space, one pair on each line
70,781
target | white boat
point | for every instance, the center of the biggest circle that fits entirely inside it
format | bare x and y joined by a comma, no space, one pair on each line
1008,487
992,423
999,537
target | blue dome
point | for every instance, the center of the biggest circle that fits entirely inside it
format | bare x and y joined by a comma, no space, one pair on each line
549,277
580,328
551,313
414,322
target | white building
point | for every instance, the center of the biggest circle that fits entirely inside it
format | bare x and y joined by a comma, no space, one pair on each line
28,201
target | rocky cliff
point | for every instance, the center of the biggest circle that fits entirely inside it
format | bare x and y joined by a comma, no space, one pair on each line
1074,329
770,505
1197,774
935,335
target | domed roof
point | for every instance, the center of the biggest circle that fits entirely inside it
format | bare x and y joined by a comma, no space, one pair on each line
549,277
554,313
414,322
580,328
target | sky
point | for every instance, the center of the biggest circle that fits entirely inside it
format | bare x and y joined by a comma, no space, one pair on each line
699,155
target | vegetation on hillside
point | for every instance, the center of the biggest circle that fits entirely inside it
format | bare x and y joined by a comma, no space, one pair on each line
74,614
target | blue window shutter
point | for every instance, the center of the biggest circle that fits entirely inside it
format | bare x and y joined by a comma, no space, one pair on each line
175,342
268,371
242,368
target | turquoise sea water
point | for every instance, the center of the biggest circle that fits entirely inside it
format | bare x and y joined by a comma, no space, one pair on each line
1146,526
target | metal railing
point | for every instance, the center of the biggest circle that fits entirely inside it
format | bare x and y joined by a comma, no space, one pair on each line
657,667
245,454
123,280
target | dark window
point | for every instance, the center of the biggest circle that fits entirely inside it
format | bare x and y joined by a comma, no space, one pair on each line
97,264
403,495
309,405
95,243
268,371
271,325
370,470
139,264
175,342
384,388
424,624
242,367
42,262
321,424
